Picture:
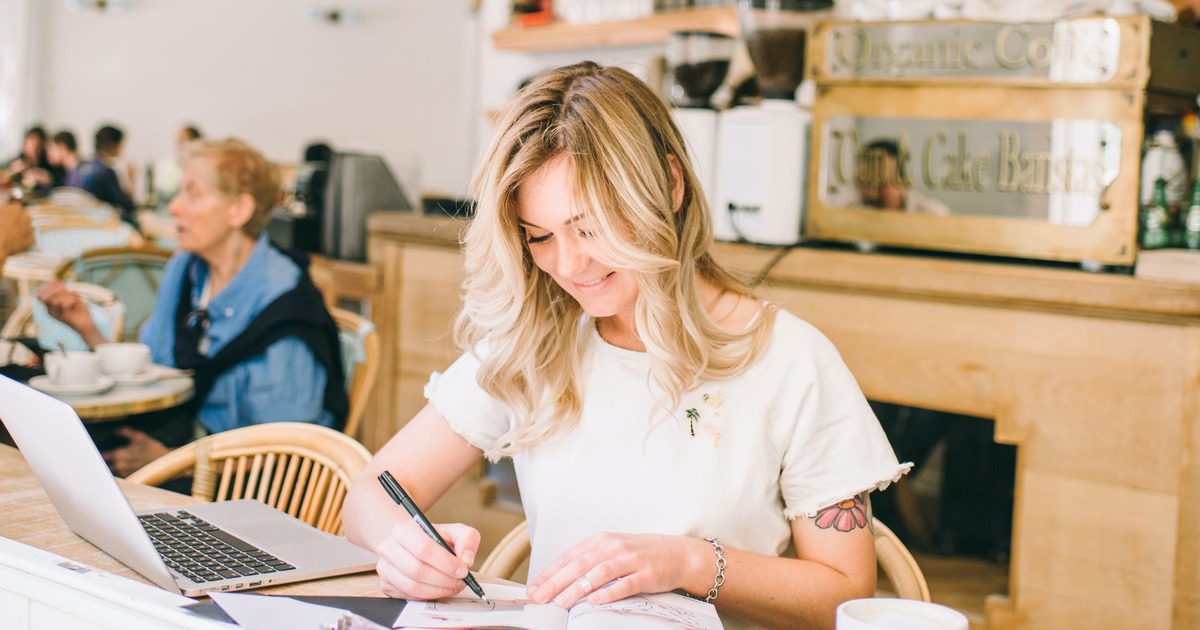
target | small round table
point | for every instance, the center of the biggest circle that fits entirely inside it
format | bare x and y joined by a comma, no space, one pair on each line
126,400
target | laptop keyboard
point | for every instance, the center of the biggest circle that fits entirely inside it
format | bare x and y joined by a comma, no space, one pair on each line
203,552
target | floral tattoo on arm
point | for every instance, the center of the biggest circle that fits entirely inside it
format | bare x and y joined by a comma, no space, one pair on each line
846,516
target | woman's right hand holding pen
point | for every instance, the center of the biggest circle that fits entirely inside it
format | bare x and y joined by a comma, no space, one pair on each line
413,566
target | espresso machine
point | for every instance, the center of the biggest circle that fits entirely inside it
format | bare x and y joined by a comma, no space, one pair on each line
762,166
699,61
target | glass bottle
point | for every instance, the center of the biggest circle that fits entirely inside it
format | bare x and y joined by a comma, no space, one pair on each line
1156,219
1191,220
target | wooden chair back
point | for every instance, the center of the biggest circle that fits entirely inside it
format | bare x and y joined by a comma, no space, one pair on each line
512,553
299,468
360,359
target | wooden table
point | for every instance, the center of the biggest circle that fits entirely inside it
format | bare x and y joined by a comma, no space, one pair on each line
126,400
27,516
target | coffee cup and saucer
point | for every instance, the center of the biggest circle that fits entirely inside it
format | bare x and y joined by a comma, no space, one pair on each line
72,374
885,613
127,363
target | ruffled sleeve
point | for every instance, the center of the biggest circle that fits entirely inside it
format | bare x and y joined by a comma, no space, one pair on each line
470,411
832,446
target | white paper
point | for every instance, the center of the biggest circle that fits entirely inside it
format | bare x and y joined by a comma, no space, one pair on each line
88,579
510,609
262,612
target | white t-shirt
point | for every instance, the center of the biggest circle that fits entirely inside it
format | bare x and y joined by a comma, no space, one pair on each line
790,435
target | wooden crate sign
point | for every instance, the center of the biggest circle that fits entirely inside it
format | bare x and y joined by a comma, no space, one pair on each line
1019,140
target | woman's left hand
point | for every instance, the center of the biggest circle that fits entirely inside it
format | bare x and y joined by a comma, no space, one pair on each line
608,566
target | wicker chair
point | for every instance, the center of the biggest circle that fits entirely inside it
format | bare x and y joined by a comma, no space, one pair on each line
512,552
132,273
300,468
69,237
360,358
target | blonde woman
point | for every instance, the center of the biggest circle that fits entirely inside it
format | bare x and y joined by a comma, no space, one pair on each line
660,417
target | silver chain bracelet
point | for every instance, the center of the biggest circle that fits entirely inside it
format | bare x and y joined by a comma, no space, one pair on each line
720,579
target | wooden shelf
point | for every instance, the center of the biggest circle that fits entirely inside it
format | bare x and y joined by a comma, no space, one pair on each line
649,30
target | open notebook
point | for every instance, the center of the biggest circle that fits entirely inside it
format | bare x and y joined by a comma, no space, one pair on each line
509,608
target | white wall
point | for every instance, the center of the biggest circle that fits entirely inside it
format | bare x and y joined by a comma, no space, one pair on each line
401,82
14,74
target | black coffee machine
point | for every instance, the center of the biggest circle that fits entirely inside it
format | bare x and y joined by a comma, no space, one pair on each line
298,227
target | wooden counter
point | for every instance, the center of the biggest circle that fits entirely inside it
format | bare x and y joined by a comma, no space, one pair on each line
1095,377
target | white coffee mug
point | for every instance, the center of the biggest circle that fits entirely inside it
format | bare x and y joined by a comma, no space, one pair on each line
75,369
884,613
123,359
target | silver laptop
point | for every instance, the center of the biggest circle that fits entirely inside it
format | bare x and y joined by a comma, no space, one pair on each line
248,543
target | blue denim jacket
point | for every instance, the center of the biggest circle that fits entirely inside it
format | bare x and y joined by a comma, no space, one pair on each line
284,384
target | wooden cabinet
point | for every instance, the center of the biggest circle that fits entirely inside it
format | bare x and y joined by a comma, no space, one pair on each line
420,275
1095,378
649,30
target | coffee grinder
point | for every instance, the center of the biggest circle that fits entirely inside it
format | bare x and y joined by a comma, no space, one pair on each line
762,167
699,60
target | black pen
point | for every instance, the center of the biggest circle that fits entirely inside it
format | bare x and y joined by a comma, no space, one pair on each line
392,487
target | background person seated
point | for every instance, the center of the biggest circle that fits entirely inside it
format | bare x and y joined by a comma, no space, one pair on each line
32,169
241,313
168,171
96,177
63,153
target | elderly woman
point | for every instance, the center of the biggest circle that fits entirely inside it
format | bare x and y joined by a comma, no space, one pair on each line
241,313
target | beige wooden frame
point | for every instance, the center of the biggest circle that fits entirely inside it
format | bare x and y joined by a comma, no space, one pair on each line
299,468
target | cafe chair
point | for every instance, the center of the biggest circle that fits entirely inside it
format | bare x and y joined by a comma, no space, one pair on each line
359,342
898,565
31,319
50,214
71,236
511,554
132,273
299,468
70,196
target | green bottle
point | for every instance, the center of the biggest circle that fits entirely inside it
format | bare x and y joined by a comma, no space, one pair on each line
1156,219
1191,220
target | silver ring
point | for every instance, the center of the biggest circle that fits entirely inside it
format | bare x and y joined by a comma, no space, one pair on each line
585,584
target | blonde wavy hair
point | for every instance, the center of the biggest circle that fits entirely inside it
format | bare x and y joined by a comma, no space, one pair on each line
620,140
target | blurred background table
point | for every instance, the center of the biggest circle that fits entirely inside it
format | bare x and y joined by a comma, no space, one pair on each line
126,400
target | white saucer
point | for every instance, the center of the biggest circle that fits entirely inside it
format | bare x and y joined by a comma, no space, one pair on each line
145,377
46,384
